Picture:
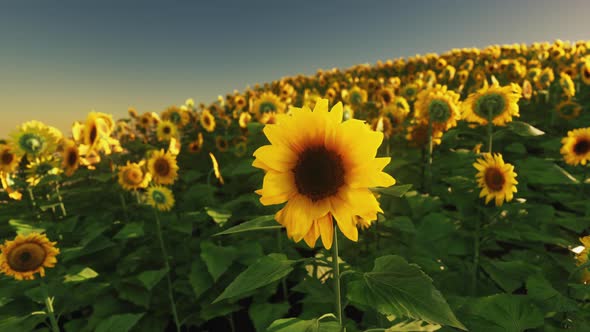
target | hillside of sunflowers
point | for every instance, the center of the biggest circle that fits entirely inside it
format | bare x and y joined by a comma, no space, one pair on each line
432,193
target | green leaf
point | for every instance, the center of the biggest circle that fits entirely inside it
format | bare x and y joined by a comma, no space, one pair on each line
541,171
401,223
256,224
299,325
23,228
220,216
524,129
541,291
149,279
395,287
130,231
509,275
265,271
218,259
119,323
413,326
503,313
395,191
199,278
263,314
85,274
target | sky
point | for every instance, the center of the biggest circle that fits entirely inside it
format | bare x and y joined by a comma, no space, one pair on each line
61,59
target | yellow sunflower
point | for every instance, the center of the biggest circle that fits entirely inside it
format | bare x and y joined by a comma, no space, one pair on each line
323,168
245,118
438,106
160,198
70,157
576,146
147,120
132,176
162,165
33,139
355,97
568,109
179,117
216,170
567,85
582,258
544,78
382,124
496,179
527,89
196,145
221,143
40,168
166,130
268,102
585,72
27,255
418,135
494,102
385,95
410,91
8,159
207,121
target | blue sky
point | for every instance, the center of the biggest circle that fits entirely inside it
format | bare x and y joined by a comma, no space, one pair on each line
61,59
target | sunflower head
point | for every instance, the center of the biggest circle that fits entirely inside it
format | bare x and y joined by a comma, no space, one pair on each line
355,96
8,159
568,109
323,169
166,130
70,157
221,143
160,198
438,106
178,116
495,103
576,146
244,119
567,85
132,176
196,145
162,165
268,102
40,168
207,121
34,139
583,257
496,179
27,255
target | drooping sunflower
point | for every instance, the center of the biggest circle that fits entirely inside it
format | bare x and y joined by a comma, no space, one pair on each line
568,109
196,145
244,119
576,146
33,139
8,159
207,121
494,102
268,102
496,179
567,85
583,257
585,72
40,168
527,89
216,170
162,165
439,107
179,117
132,176
166,130
27,255
160,198
323,168
70,157
544,78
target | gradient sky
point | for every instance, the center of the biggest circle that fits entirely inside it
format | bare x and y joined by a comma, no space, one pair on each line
61,59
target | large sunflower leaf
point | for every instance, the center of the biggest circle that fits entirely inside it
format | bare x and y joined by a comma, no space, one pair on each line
256,224
395,287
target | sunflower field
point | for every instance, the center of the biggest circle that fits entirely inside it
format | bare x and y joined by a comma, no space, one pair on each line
433,193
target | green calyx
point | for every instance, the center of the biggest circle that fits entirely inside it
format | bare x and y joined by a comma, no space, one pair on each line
489,106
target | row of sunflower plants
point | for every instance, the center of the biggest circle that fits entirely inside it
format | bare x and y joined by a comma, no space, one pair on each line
433,193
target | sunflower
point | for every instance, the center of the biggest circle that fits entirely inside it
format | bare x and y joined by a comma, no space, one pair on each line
244,119
240,149
267,103
160,198
496,179
216,170
567,85
40,168
568,109
355,96
240,102
162,165
132,176
494,102
576,146
385,95
418,135
438,106
270,118
27,255
382,124
70,157
147,120
166,130
221,143
8,159
544,78
582,258
196,145
207,121
323,168
33,139
585,72
527,89
176,115
410,91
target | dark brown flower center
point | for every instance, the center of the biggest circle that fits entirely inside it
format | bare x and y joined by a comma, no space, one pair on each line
93,134
494,179
166,130
7,157
207,121
582,146
72,157
162,167
26,257
133,176
319,173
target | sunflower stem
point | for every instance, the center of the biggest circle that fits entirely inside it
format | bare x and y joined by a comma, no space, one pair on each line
124,204
33,202
336,275
280,247
167,266
49,306
429,161
476,245
490,129
60,200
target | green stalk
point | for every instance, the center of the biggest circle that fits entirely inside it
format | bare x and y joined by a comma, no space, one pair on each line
33,201
490,134
476,246
280,245
60,200
167,265
49,306
336,275
429,161
124,205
